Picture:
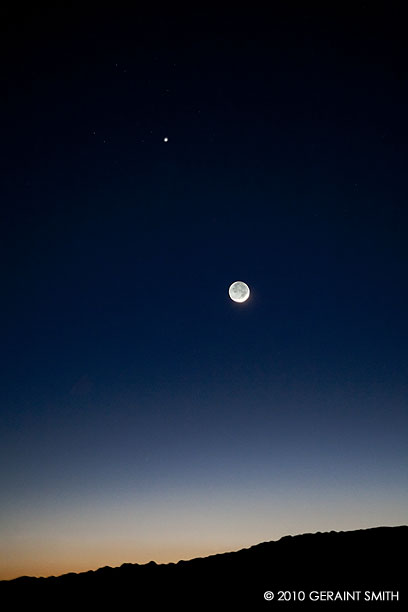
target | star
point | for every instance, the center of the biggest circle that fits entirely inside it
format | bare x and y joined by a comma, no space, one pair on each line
165,139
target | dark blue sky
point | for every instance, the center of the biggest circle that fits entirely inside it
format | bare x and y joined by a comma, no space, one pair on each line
143,414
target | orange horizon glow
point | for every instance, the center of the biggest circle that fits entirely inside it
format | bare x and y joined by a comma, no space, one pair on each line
55,557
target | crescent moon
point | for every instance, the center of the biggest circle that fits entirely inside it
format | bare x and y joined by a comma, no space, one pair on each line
239,291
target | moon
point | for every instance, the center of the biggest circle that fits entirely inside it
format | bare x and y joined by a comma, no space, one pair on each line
239,291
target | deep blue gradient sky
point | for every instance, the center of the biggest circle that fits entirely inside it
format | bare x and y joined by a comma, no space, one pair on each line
143,414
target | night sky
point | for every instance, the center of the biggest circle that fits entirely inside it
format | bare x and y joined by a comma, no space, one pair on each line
144,415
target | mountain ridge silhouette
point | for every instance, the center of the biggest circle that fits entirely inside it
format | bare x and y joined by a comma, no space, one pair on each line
323,568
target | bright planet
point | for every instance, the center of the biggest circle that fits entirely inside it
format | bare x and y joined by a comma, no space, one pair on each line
239,291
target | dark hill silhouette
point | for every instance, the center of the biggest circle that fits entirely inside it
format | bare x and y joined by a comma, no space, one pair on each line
372,560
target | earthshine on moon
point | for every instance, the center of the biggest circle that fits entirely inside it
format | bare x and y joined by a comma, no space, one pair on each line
239,291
